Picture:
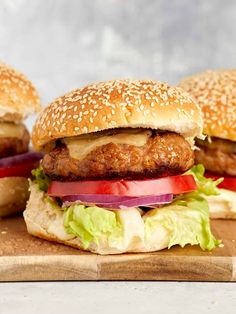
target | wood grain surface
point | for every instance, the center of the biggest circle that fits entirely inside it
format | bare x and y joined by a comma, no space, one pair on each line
25,258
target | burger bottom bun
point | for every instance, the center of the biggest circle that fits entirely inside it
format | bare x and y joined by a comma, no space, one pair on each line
222,206
45,220
14,195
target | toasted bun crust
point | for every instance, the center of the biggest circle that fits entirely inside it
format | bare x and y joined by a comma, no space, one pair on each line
18,97
14,195
118,104
215,93
45,221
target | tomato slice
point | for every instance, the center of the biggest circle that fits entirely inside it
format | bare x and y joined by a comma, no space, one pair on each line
229,183
168,185
19,170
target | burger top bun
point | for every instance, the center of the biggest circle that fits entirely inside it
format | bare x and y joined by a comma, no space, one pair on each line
215,92
118,104
18,97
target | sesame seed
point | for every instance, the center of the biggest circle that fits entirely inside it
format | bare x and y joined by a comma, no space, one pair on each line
113,123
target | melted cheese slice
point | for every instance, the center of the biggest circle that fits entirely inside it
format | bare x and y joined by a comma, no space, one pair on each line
11,130
79,147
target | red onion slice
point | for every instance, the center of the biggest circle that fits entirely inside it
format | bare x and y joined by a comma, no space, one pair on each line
117,202
18,159
96,198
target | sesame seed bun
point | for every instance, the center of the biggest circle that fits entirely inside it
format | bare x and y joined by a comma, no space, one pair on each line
18,97
118,104
14,195
215,93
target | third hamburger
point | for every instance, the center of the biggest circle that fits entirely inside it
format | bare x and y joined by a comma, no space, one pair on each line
215,92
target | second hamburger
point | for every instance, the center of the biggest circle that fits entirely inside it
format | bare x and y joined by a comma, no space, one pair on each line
18,100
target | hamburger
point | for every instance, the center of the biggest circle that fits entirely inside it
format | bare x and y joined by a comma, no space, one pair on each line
18,99
116,175
215,93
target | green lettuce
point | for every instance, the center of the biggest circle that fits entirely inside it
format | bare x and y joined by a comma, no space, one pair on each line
90,224
205,185
40,178
187,222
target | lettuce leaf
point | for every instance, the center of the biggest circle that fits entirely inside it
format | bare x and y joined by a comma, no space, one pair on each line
90,224
205,185
40,178
187,221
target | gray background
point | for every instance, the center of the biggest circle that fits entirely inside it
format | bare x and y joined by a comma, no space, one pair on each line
63,44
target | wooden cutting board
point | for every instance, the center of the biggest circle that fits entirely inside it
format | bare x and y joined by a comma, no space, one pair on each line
25,258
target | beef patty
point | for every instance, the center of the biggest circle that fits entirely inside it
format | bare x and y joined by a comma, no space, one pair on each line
10,146
217,156
164,154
